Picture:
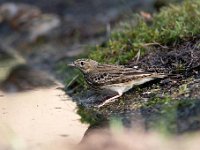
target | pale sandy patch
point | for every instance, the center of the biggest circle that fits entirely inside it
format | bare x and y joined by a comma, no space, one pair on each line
39,119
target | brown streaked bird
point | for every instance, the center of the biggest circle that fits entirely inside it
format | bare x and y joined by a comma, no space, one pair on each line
117,78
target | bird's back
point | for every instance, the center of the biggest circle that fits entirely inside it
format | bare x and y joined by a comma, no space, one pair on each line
112,74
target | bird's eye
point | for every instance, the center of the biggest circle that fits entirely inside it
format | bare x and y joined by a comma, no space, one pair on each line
82,63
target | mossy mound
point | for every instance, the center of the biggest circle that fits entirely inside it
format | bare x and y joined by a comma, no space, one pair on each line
171,24
170,43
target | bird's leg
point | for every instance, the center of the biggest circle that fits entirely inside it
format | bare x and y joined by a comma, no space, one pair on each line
112,99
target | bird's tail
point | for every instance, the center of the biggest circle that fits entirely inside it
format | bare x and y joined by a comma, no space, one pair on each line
159,75
164,75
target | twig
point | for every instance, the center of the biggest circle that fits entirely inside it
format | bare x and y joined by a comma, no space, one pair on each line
73,79
138,56
155,43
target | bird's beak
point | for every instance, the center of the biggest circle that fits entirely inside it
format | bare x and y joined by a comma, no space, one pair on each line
71,65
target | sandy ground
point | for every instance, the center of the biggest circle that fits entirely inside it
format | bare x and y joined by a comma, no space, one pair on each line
39,119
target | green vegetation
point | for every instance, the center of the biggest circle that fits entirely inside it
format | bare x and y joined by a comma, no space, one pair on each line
170,25
168,108
89,116
172,115
164,114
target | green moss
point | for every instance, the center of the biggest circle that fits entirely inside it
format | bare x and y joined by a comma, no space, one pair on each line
171,116
163,114
89,115
170,25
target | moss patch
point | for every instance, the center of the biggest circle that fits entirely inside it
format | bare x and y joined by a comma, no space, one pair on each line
172,115
90,116
170,25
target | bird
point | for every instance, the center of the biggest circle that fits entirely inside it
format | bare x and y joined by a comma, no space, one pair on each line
116,78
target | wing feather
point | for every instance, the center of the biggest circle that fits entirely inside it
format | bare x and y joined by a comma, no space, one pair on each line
111,74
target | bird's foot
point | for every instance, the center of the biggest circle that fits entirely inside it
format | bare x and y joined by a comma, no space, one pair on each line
112,99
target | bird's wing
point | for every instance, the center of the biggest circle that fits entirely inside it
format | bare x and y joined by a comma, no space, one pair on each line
109,74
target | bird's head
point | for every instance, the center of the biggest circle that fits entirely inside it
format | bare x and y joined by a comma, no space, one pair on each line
85,65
